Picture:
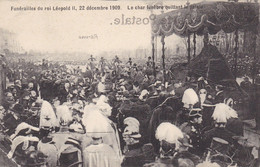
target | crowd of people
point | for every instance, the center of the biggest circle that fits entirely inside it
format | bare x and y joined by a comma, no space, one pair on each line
119,114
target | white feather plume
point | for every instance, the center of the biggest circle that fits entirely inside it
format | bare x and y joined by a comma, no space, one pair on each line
168,132
18,140
23,126
190,97
64,115
223,112
105,108
47,115
95,123
102,105
89,108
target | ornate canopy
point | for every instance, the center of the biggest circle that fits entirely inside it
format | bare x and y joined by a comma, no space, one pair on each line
216,16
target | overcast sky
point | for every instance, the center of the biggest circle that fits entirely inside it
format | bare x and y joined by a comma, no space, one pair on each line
59,31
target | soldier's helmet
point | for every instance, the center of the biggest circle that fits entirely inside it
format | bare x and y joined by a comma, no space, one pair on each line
169,136
223,112
189,97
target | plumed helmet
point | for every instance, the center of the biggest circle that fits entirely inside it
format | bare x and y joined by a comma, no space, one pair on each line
169,133
190,97
223,112
64,114
131,121
76,127
132,131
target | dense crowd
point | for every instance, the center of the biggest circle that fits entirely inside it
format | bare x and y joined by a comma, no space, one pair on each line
120,114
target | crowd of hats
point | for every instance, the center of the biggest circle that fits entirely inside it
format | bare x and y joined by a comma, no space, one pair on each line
95,112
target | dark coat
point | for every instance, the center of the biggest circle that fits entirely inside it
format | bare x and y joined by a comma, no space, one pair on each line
11,123
63,94
219,98
222,133
138,155
195,133
161,114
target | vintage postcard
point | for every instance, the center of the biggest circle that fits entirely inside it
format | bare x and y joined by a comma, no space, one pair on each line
129,83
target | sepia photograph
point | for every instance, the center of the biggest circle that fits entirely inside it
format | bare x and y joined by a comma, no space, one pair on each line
144,83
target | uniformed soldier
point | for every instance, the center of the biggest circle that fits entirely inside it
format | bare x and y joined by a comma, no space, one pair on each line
193,128
219,97
135,153
189,99
246,85
169,136
222,113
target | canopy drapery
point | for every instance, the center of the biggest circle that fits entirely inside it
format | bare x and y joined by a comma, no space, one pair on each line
216,16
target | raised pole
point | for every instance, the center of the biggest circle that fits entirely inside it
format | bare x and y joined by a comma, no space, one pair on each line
188,49
163,57
194,42
256,57
154,72
206,36
236,54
